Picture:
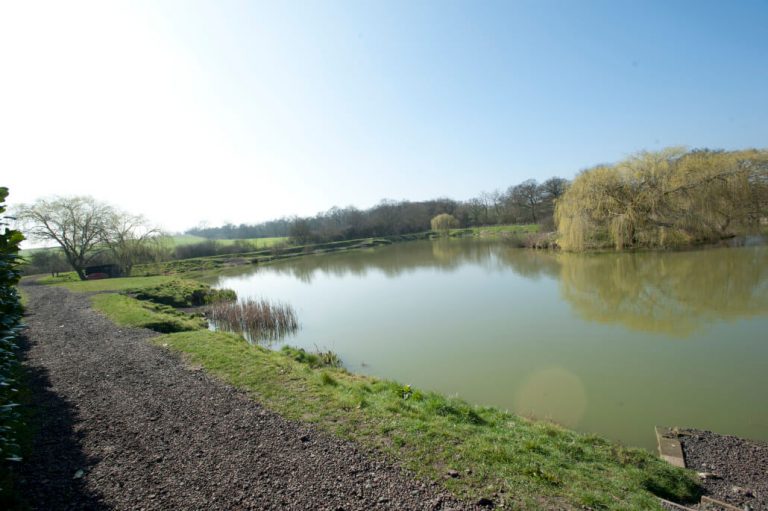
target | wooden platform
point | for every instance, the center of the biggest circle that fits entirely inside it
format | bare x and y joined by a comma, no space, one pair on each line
670,449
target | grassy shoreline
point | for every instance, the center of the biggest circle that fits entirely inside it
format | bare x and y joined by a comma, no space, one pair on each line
475,451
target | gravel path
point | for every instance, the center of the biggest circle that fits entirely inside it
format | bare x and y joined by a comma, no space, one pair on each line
736,469
122,424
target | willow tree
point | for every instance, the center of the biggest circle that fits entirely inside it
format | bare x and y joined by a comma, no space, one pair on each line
664,199
444,222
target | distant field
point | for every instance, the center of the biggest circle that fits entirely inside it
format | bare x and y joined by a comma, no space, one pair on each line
188,239
522,228
185,239
27,252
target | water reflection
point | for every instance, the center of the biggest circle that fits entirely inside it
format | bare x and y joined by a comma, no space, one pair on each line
393,261
674,293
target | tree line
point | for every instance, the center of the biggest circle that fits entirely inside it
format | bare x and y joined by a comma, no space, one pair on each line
527,202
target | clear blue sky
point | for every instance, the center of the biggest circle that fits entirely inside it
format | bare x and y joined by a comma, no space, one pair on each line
245,111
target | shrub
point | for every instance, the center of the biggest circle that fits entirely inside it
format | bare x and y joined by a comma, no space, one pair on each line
183,293
10,321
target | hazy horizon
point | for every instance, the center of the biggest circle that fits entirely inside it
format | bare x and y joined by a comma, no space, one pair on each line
242,112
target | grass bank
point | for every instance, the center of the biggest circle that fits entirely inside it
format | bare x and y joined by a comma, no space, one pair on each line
496,231
475,451
127,311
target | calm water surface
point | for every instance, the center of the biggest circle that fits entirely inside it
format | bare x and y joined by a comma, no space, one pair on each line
611,344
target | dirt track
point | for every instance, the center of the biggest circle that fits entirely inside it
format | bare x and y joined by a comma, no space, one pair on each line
124,425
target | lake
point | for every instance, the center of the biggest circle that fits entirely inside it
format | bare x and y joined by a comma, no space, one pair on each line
611,344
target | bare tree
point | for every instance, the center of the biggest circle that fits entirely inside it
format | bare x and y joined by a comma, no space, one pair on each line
129,239
478,211
554,187
76,224
301,232
85,228
528,196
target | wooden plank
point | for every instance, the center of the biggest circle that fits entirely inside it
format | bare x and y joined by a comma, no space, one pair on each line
717,505
675,506
670,449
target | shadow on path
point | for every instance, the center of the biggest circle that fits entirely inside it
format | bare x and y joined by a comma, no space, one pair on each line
50,475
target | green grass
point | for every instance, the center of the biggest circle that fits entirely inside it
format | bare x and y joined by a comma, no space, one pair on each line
517,462
23,296
26,252
259,242
181,293
117,284
313,360
496,230
183,239
127,311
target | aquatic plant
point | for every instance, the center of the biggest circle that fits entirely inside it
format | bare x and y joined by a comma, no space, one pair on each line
257,320
314,359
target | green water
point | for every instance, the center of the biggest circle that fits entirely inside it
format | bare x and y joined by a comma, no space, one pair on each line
611,344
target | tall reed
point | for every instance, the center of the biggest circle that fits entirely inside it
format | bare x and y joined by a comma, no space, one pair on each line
258,320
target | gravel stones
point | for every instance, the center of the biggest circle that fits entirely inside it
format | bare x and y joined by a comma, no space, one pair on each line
735,469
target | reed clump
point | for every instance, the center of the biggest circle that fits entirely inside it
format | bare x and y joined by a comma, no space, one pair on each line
315,359
257,320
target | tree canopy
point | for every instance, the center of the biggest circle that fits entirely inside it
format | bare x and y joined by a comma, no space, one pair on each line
87,229
444,222
664,199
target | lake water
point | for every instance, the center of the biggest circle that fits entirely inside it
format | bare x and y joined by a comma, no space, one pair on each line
611,344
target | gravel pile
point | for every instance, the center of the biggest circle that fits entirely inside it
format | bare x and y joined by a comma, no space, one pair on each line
733,470
123,424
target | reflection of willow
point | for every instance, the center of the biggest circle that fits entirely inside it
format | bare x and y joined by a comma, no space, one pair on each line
673,293
394,260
